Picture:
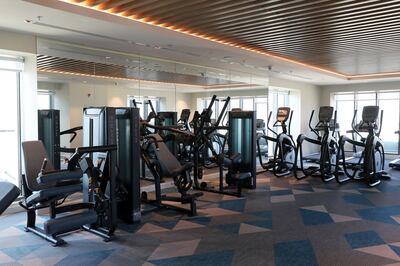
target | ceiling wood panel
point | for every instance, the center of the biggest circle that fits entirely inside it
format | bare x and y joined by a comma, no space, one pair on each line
330,34
46,63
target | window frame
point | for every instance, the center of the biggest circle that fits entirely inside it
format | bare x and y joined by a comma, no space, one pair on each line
50,93
142,99
356,99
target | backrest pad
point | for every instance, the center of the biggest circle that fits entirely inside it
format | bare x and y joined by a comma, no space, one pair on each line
34,153
166,159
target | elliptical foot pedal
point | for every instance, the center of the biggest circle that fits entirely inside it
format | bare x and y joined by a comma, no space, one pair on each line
374,182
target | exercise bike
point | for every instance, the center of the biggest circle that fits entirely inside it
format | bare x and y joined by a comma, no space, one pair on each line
283,161
325,161
370,165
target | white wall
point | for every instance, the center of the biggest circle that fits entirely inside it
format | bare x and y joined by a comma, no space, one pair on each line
24,45
17,42
28,100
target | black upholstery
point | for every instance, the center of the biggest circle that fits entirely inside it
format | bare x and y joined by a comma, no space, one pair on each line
57,176
48,188
44,195
170,166
8,193
69,223
34,155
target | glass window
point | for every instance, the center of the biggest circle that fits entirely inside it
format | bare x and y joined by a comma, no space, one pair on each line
345,96
235,103
144,104
9,133
364,99
44,100
248,104
390,104
388,101
345,111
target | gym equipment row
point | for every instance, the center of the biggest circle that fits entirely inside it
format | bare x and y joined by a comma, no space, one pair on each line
332,161
106,170
117,143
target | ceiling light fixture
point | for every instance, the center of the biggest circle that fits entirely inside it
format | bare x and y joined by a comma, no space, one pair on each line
118,78
88,4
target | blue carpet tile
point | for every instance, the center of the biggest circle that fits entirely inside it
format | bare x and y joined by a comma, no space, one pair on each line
307,222
299,253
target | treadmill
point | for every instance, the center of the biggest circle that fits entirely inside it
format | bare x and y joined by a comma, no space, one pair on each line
395,163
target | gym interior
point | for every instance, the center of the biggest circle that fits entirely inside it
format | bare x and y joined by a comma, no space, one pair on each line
174,132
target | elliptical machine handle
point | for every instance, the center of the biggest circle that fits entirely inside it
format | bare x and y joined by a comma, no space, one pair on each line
290,122
269,119
334,123
309,124
380,124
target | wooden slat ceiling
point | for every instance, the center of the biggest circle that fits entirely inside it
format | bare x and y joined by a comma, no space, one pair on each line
351,37
60,65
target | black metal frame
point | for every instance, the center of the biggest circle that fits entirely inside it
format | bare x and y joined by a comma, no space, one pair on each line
159,201
284,144
329,148
109,184
365,167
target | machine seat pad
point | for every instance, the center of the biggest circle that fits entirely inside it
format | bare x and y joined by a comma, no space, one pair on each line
241,176
70,222
8,193
57,176
55,192
185,167
191,196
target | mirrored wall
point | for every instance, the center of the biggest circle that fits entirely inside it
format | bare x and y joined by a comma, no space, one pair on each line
72,77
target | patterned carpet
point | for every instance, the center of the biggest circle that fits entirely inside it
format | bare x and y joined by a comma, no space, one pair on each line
282,222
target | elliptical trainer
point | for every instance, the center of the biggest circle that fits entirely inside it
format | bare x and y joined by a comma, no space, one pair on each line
285,148
328,156
370,165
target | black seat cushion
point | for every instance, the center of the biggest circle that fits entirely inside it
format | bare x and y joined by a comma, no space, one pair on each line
8,193
69,223
57,176
52,193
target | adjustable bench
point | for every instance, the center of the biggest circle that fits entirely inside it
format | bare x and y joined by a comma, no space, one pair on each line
8,193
